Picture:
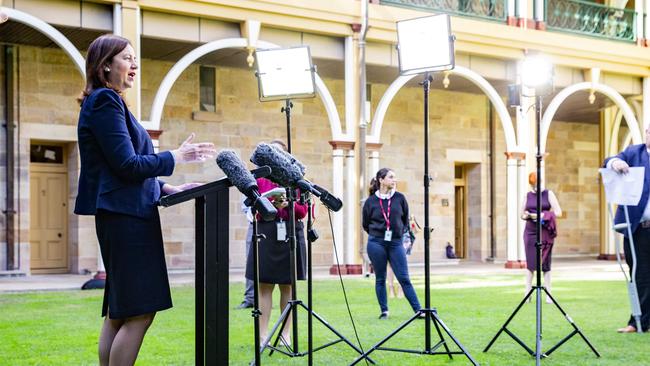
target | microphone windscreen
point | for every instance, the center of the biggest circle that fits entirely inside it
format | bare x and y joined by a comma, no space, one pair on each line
299,165
236,171
284,171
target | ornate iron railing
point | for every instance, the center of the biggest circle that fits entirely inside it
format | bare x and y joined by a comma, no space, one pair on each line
592,19
485,9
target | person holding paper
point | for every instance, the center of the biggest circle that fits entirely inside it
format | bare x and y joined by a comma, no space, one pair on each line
637,156
274,254
550,211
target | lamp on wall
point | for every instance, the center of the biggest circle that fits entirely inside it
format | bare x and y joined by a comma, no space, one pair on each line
3,16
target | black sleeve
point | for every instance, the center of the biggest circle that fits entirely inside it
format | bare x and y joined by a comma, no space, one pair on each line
365,215
405,216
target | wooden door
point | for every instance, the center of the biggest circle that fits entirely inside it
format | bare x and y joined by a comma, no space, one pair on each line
460,212
48,218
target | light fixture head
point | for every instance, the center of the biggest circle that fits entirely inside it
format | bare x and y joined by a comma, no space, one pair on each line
3,17
537,74
425,44
285,73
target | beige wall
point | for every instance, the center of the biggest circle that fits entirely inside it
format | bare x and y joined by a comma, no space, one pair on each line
458,133
572,173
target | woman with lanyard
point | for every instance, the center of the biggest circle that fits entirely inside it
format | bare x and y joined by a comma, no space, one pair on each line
385,218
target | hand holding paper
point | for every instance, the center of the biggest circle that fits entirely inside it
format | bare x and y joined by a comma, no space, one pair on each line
623,189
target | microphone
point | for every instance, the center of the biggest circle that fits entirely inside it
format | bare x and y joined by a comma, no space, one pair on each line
330,201
241,178
285,169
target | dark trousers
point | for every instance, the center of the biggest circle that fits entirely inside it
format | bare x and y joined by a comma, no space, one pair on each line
642,250
381,253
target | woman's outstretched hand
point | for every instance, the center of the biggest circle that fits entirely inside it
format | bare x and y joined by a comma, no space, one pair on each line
170,189
190,152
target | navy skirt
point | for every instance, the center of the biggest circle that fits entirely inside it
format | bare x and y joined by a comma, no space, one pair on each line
134,258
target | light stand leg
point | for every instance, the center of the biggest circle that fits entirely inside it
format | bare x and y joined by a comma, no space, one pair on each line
538,233
538,288
430,313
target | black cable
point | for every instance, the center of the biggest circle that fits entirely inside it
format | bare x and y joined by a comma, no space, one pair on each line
345,295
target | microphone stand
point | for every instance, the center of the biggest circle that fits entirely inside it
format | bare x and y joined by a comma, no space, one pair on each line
256,281
294,304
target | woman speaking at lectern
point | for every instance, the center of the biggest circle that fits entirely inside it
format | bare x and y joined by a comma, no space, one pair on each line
118,185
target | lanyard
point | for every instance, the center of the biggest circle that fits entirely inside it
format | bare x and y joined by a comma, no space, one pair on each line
386,216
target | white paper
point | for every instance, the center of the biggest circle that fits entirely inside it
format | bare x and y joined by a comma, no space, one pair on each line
623,189
275,192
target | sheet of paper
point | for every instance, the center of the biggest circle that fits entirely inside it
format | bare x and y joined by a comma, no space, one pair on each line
623,189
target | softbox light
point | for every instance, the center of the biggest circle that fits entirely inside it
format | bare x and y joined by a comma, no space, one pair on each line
425,44
285,73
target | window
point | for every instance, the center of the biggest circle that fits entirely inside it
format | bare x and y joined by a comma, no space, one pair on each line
49,154
207,82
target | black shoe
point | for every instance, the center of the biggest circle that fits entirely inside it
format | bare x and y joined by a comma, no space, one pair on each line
244,305
383,315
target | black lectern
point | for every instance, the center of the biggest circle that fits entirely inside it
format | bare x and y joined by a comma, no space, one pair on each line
211,266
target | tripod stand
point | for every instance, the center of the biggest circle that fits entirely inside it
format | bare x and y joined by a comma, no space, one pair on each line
538,288
430,314
292,350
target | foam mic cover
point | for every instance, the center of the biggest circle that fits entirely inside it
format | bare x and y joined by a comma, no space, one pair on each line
240,177
285,169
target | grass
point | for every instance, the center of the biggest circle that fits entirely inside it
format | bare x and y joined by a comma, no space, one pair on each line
61,328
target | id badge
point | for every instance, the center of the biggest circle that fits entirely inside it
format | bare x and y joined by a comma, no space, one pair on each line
388,236
282,231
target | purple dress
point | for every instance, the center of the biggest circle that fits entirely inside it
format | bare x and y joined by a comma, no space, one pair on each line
530,234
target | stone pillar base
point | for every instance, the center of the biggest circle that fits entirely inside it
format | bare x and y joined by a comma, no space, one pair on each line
515,264
346,269
512,21
540,25
609,257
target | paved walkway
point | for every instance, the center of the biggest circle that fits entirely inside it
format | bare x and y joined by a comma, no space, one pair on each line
465,274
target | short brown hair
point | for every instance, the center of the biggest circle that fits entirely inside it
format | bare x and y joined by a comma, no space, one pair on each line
100,53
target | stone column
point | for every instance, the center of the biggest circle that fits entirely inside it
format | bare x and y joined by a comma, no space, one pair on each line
514,161
351,204
338,153
131,30
373,160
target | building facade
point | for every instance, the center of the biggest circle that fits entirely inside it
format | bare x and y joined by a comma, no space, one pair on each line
195,76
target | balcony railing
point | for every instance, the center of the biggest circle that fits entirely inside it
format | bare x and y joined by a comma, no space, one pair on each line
591,19
485,9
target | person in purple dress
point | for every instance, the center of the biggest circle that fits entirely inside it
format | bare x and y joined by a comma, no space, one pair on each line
550,211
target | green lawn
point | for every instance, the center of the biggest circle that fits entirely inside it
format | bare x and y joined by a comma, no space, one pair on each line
60,328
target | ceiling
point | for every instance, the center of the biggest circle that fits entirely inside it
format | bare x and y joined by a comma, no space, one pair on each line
575,109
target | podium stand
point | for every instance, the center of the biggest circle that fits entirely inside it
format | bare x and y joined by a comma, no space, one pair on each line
211,267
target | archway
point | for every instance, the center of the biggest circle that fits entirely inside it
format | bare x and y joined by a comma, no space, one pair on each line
555,103
188,59
51,33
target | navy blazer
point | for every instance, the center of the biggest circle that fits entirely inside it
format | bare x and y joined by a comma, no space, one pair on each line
118,163
634,156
